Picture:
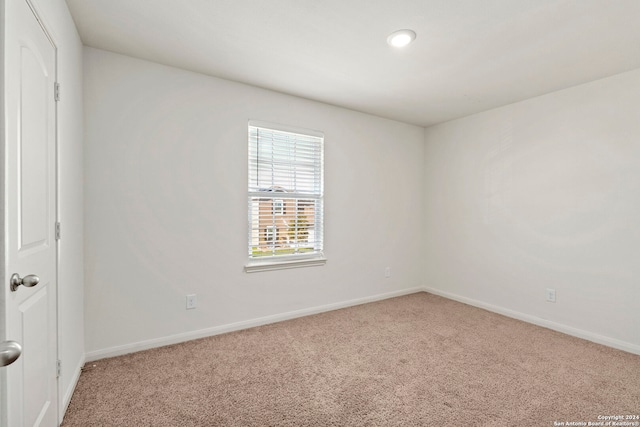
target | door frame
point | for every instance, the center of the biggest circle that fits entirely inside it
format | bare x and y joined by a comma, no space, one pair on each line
3,218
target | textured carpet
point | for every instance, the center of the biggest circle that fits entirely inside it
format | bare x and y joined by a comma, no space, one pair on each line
416,360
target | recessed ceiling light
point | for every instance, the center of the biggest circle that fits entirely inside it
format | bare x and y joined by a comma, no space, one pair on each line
401,38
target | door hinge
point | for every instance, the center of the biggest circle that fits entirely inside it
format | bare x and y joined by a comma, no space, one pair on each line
56,91
57,231
58,368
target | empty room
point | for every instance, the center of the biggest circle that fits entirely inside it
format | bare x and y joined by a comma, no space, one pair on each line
320,213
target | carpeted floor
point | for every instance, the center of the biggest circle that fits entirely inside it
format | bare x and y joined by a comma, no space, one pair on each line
416,360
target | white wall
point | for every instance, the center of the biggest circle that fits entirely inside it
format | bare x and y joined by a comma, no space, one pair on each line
541,194
166,205
59,23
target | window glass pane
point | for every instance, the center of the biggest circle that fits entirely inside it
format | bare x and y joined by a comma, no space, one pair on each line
295,231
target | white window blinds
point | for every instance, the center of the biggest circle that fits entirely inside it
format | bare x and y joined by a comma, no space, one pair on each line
285,192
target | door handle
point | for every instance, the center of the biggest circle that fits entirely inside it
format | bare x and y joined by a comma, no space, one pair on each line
9,352
28,281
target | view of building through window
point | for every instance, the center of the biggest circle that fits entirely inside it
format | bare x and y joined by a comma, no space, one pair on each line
283,228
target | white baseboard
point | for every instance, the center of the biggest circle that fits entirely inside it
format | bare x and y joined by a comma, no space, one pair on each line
66,399
222,329
579,333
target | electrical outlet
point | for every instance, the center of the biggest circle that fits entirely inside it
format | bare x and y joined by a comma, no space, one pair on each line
551,295
387,272
191,301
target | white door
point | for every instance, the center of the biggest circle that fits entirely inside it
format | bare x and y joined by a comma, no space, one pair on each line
30,206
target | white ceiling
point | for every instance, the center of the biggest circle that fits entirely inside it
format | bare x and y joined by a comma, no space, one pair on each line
469,55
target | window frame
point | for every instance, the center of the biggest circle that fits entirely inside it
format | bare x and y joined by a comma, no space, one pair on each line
277,262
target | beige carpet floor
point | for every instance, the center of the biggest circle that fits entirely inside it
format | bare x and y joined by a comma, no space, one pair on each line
416,360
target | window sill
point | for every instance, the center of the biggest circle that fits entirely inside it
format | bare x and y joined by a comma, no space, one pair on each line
257,266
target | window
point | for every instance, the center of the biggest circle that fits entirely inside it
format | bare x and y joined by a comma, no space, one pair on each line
278,207
270,233
285,197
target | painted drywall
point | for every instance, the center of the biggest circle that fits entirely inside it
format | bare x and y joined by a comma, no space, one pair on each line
166,205
542,194
57,19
